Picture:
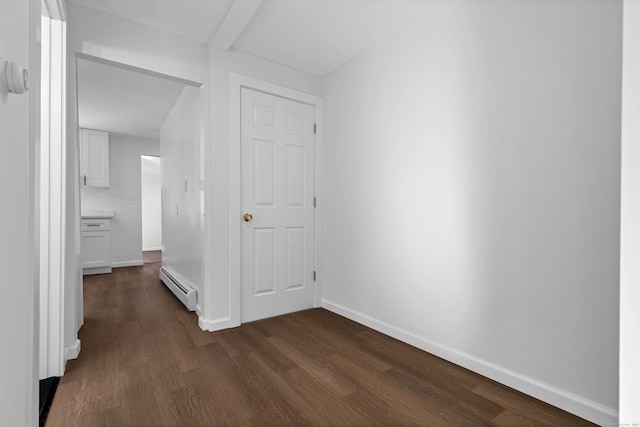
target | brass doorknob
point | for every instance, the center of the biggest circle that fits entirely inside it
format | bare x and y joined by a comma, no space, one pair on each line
248,217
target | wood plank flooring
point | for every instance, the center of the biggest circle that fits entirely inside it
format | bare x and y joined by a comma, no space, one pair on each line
151,256
144,361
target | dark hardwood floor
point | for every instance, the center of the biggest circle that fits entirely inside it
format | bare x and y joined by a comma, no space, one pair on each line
144,361
151,256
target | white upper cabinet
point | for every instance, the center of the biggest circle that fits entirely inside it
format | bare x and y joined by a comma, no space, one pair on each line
94,158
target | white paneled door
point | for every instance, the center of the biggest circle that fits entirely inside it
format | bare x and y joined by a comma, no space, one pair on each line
277,168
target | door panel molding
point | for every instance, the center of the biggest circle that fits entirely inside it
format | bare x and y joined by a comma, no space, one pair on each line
277,190
236,83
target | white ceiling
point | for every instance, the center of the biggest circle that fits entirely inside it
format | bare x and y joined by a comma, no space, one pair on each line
123,101
316,36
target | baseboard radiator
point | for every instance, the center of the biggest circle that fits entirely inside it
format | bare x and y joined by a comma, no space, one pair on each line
184,292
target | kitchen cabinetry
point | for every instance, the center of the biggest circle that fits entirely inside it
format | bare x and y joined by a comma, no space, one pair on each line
94,158
96,246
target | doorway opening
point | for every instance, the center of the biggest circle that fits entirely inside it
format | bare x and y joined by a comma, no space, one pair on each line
151,199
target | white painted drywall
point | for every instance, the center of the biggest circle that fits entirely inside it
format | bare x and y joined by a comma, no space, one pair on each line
108,37
126,226
18,256
216,249
181,139
472,187
73,306
151,198
630,226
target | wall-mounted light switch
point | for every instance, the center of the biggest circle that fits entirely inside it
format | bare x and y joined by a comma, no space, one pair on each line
130,197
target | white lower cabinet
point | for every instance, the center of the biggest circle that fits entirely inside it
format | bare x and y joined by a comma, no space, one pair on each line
96,246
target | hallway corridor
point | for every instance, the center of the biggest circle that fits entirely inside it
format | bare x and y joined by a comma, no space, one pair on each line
144,361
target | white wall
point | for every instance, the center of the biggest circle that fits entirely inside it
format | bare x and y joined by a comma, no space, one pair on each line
472,192
630,227
221,63
151,185
181,139
18,120
115,39
126,226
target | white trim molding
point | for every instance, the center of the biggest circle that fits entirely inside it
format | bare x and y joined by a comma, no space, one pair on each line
212,325
52,197
236,83
133,263
96,270
629,368
73,351
562,399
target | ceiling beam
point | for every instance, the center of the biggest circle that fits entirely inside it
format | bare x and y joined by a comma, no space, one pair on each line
236,20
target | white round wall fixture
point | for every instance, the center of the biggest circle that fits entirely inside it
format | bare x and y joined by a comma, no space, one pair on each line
13,78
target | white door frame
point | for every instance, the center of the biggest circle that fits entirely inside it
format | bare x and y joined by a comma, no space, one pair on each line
236,83
52,190
629,388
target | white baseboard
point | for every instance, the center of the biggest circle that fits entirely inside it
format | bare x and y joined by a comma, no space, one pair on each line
159,248
134,263
562,399
212,325
96,270
73,351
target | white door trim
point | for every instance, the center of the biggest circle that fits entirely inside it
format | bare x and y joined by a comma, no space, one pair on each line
52,196
629,388
236,83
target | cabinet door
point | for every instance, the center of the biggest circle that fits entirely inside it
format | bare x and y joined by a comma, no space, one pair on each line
94,158
96,249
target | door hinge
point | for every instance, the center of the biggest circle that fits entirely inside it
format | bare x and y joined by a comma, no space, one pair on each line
315,202
315,128
314,275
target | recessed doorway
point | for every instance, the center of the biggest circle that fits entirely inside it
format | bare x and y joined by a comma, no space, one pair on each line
151,199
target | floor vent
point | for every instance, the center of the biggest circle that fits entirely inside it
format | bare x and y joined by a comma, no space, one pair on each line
184,292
